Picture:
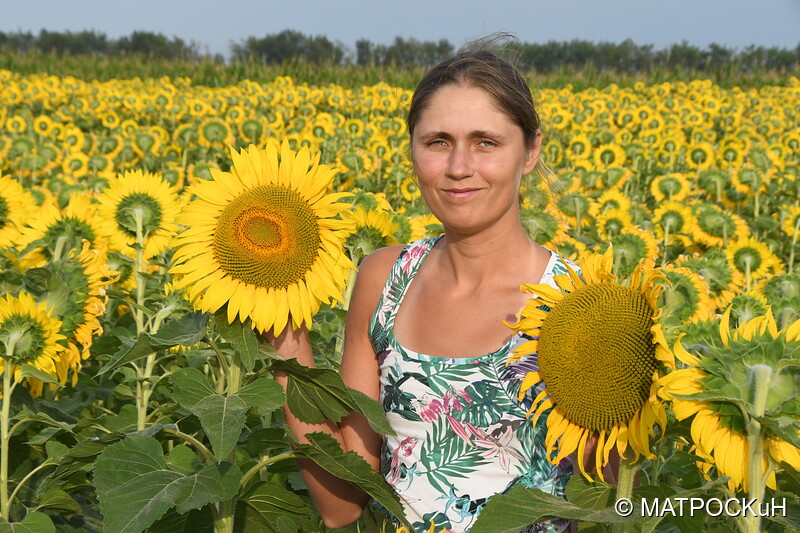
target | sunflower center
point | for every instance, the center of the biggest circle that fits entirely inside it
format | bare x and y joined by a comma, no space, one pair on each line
267,237
138,205
28,337
596,354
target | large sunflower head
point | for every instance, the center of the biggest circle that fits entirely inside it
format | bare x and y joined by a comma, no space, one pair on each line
747,373
600,347
264,239
29,335
138,208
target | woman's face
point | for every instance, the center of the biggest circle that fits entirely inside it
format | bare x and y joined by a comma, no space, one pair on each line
469,157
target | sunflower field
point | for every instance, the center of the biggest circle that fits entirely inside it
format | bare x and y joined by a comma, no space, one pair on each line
142,232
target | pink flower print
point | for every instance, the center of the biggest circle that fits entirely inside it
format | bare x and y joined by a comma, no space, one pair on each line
452,402
499,447
404,450
414,253
430,411
459,429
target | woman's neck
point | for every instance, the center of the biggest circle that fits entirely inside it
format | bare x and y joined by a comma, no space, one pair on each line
487,257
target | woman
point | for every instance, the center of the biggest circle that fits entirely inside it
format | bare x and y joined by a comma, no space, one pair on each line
434,351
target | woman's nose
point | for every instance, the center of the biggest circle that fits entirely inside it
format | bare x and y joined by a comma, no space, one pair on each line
459,164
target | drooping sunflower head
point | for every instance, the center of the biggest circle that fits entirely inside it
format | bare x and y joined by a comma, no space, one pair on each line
29,335
264,239
369,230
600,347
746,371
138,208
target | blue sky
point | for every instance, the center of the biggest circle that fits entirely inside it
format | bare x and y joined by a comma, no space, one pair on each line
216,23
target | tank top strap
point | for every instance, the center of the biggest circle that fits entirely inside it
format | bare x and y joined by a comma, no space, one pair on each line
403,271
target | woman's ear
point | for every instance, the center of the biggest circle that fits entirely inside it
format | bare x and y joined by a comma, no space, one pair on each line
534,152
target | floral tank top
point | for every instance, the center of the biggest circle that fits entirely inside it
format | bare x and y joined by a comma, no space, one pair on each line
461,434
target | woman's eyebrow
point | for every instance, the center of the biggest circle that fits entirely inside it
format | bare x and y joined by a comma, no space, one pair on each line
474,134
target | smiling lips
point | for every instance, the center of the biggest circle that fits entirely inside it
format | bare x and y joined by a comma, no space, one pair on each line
460,193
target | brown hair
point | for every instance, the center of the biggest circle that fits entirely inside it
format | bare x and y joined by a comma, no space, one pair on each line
482,68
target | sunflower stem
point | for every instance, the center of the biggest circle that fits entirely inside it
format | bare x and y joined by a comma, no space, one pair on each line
5,434
794,243
761,375
348,294
625,480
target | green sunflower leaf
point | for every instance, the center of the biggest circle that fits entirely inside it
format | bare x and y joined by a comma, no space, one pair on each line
195,521
30,371
223,419
187,330
136,487
242,337
58,500
190,386
264,394
32,523
317,394
265,507
132,349
521,507
351,467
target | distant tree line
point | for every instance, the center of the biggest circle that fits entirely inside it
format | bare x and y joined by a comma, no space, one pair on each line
293,46
144,43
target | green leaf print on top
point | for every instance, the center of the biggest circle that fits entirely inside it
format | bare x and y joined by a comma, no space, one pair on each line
445,455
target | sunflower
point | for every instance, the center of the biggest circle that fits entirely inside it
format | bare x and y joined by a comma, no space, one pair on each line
263,239
609,155
752,258
672,187
700,155
74,287
674,222
426,225
791,221
611,221
599,347
367,230
631,246
716,227
686,300
745,371
29,335
16,204
138,206
610,199
54,232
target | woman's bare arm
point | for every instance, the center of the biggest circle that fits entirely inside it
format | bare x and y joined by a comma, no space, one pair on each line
338,502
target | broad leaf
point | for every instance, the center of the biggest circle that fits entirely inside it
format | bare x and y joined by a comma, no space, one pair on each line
265,394
32,523
521,507
351,467
242,337
262,507
187,330
30,371
190,386
135,486
589,495
58,500
195,521
132,349
317,394
223,419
